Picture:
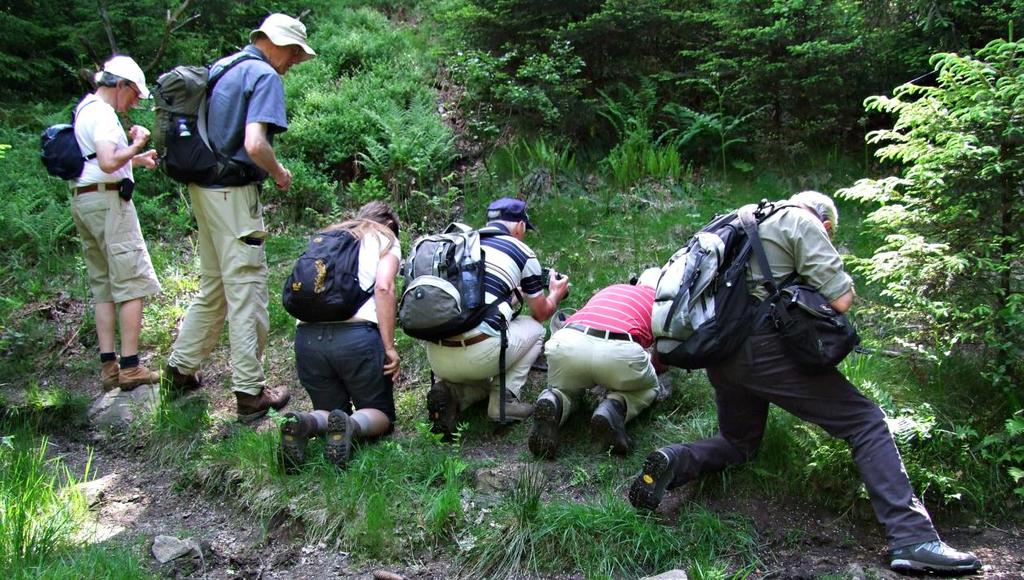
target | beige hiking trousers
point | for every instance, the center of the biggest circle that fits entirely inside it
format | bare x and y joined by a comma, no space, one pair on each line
232,286
577,362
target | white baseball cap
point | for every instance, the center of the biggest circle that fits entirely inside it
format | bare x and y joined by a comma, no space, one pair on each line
283,30
126,68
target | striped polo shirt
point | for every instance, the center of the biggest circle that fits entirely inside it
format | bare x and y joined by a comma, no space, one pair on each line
620,308
510,264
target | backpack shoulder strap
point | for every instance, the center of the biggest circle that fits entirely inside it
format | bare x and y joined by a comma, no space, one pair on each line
210,83
749,220
74,115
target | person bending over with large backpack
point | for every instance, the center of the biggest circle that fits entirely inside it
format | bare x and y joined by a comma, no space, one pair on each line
605,343
351,363
467,365
761,372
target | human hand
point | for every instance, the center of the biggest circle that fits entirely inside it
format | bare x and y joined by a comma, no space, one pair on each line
558,285
283,178
391,362
147,159
139,135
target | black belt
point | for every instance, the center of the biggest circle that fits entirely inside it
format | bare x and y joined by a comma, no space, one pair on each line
467,342
605,334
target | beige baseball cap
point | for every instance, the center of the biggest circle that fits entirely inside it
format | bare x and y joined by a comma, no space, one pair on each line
129,70
283,30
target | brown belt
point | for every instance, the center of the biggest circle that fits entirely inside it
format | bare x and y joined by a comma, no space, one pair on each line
94,187
605,334
469,341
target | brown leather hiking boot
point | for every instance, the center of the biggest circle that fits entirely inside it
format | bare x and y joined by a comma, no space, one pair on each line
338,447
295,433
131,377
179,383
515,410
609,426
252,407
443,409
108,375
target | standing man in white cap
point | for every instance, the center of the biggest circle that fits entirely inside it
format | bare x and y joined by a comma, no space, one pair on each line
120,271
246,109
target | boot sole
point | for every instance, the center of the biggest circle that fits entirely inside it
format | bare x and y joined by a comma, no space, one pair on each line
131,386
609,436
293,446
338,447
648,489
544,438
442,415
905,565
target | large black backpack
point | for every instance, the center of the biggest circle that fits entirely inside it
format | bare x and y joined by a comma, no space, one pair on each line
324,283
703,310
59,150
179,133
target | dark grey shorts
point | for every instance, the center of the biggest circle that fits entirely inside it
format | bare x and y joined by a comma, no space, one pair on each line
341,367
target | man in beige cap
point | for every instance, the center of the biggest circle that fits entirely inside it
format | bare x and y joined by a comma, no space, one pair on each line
120,272
245,110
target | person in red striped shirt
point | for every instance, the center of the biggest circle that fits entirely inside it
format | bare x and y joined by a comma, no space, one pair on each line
605,343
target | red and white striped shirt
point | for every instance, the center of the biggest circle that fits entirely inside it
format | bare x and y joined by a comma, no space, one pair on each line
620,308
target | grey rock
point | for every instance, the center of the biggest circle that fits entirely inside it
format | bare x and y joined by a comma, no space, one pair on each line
117,408
670,575
493,480
167,548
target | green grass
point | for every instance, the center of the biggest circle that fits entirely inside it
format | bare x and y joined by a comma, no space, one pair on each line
43,515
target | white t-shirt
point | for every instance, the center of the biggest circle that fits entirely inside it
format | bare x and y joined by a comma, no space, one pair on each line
369,257
97,121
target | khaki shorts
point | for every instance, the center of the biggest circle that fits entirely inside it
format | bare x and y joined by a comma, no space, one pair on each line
116,257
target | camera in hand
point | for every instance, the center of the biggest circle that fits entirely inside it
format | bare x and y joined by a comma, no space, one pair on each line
545,274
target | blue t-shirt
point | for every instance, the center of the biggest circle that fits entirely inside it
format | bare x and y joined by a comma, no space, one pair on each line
251,92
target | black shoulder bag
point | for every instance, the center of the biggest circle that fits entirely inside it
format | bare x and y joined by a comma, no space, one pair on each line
815,334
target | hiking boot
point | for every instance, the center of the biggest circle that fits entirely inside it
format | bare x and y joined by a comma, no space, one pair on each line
252,407
515,410
179,383
443,409
340,429
934,556
131,377
609,426
109,374
649,487
547,417
294,436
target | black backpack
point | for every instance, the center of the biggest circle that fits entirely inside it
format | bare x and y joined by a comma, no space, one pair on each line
703,310
59,150
324,283
179,133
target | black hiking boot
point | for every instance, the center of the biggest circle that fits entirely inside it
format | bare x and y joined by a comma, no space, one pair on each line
295,434
935,557
547,417
609,426
340,429
443,410
649,487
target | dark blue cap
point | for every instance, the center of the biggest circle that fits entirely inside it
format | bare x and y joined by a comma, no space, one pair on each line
510,210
